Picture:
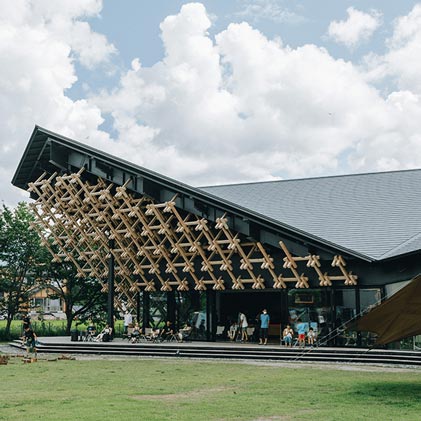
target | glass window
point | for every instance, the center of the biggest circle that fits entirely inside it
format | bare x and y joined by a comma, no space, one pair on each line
312,307
345,311
369,298
191,312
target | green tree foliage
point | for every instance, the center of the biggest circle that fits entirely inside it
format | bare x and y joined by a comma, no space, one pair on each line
21,259
82,297
26,265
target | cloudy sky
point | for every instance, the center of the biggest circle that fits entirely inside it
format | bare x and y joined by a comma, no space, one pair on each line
216,91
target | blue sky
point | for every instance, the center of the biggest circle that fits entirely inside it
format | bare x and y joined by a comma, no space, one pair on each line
216,91
133,27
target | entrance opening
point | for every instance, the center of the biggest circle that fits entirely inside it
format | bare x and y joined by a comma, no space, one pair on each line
251,303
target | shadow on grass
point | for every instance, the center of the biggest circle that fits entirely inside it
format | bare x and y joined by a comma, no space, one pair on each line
394,393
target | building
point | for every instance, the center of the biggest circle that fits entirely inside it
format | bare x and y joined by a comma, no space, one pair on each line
318,249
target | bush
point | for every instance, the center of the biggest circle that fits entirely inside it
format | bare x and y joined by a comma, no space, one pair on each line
41,328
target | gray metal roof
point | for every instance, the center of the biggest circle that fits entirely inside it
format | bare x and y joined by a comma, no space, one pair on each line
377,215
370,216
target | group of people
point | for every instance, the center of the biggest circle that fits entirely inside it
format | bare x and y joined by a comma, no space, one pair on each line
167,332
288,334
238,329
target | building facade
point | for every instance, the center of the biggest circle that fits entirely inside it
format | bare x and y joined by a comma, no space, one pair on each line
319,250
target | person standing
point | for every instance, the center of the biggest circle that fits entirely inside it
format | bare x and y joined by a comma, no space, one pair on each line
301,329
242,321
30,341
26,322
264,327
128,320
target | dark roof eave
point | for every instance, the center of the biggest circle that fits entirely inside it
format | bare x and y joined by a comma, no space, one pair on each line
193,191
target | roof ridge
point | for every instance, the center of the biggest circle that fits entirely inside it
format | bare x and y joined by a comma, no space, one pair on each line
310,178
389,253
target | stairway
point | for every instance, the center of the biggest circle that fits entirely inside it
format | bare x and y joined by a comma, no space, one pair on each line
231,351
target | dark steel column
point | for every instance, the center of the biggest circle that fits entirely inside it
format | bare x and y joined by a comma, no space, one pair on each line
138,306
111,286
358,308
171,307
146,310
210,315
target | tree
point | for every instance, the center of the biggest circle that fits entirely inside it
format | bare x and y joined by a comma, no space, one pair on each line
82,297
21,259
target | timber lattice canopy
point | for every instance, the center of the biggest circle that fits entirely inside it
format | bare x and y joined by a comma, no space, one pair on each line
157,246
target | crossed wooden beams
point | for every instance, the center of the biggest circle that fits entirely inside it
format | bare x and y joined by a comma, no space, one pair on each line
154,244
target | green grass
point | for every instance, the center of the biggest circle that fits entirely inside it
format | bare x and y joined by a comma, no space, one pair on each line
151,389
47,328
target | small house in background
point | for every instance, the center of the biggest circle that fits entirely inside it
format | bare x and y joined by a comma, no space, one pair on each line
43,303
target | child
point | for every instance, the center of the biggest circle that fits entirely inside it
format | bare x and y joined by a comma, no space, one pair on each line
30,339
311,335
287,335
232,331
301,328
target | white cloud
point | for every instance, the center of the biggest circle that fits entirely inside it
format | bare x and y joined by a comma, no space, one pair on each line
36,68
244,107
404,57
272,10
357,28
236,107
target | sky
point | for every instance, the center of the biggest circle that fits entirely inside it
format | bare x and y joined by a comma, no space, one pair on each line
218,91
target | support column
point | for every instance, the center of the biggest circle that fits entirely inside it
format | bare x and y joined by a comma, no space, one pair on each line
111,276
138,298
358,308
171,307
210,315
146,310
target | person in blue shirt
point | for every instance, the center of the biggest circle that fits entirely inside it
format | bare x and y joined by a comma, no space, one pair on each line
301,329
264,327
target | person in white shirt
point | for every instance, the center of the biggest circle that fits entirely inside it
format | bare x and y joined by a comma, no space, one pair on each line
242,322
128,320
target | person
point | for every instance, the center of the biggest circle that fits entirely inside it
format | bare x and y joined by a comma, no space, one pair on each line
167,331
105,334
184,333
134,337
232,332
264,327
243,325
30,339
287,335
128,320
311,335
90,331
301,329
26,321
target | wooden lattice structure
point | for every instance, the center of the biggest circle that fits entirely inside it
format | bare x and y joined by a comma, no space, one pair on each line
157,246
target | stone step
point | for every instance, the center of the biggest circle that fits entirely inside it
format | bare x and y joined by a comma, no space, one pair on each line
256,353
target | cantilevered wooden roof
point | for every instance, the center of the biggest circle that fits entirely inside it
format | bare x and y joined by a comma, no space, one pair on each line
368,216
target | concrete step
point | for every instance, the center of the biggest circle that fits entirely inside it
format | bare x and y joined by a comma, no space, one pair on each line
192,350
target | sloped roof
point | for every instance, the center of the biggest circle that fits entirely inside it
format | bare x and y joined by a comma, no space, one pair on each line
377,215
370,216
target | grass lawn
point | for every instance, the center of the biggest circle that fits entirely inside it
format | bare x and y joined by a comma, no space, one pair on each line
152,389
